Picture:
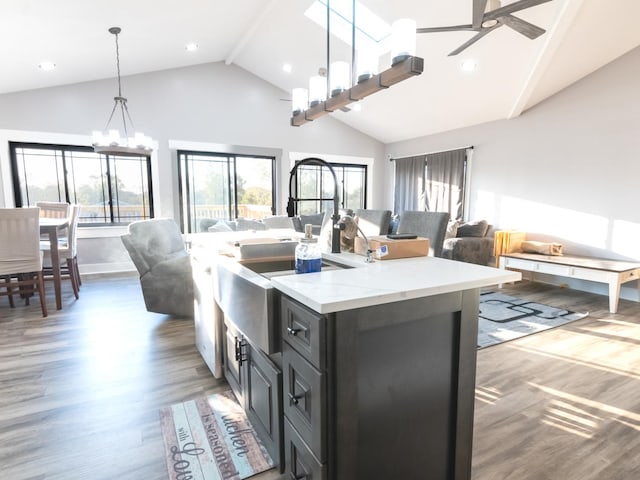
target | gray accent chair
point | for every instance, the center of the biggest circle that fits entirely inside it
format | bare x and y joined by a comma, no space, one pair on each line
432,225
472,243
373,222
157,249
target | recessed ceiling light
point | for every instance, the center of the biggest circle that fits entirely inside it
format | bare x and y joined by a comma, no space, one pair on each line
287,68
356,107
469,65
46,66
191,47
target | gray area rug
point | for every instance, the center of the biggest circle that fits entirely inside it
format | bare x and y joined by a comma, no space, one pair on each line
503,317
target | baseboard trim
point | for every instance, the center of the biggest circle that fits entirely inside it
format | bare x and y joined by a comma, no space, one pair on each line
117,267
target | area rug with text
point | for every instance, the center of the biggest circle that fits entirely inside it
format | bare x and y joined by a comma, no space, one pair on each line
503,317
211,439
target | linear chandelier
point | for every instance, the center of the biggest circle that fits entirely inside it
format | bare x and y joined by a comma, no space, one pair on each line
109,141
338,89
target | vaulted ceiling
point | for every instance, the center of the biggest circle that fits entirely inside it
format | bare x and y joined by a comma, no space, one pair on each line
513,72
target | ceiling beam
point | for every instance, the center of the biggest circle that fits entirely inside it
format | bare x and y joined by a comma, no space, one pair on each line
249,32
553,40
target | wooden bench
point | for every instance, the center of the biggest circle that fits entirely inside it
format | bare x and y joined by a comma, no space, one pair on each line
613,272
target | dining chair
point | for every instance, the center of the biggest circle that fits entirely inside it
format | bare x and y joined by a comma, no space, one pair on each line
20,255
54,209
67,251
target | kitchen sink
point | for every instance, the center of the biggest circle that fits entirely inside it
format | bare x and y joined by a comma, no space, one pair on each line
247,298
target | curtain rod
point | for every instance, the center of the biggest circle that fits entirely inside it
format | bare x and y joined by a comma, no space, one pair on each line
433,153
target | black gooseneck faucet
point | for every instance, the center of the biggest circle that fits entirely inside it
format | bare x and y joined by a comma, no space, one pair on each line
335,230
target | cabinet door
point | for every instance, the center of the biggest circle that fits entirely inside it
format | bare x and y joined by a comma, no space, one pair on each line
234,346
263,400
206,315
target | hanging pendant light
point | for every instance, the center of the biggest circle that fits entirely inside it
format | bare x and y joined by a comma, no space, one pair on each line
351,83
109,141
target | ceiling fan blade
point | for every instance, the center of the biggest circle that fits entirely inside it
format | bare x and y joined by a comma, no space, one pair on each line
513,7
474,39
453,28
527,29
478,12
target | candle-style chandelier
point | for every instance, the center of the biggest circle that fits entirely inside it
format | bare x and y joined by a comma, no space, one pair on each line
345,84
109,141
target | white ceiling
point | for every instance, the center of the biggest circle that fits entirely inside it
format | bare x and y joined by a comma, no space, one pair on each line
514,73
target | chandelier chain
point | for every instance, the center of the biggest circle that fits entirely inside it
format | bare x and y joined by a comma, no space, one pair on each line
118,66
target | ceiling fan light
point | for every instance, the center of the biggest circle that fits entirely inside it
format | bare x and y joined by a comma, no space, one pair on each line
403,40
492,22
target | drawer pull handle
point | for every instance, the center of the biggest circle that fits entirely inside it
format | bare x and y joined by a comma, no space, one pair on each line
294,399
294,331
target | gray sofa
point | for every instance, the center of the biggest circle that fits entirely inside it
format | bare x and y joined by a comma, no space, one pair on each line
157,250
469,242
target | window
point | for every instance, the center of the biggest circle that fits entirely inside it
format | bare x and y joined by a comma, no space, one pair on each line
314,182
371,31
113,190
215,186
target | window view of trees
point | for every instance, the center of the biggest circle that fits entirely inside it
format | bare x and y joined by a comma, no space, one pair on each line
111,189
224,187
315,181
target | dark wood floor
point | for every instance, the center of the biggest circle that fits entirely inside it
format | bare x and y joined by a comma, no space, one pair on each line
80,390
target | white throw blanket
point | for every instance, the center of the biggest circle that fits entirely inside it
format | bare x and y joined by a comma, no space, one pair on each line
544,248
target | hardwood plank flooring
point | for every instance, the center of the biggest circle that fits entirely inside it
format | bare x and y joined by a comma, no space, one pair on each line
562,404
80,390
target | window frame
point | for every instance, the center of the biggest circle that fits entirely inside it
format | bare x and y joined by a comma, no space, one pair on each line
341,190
63,148
231,158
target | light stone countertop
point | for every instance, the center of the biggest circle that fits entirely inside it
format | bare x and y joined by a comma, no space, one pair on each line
385,281
366,284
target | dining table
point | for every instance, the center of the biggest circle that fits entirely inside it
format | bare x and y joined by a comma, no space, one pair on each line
52,227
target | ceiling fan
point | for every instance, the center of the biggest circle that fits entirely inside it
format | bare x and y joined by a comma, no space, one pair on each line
489,15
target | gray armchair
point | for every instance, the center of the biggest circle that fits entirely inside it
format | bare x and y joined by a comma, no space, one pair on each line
157,249
432,225
472,243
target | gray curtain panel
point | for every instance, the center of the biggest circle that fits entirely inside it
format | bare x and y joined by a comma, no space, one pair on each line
445,182
409,187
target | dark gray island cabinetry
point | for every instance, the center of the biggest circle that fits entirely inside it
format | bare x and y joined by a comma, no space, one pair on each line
380,392
358,373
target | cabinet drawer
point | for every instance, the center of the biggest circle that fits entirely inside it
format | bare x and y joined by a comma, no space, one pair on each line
554,269
305,331
304,400
301,464
519,264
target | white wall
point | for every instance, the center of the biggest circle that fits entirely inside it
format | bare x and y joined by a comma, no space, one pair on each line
205,104
567,170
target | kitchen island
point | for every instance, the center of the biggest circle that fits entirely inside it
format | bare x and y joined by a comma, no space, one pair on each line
374,376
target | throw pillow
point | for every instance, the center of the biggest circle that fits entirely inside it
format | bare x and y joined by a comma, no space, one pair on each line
473,229
246,224
452,229
220,227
